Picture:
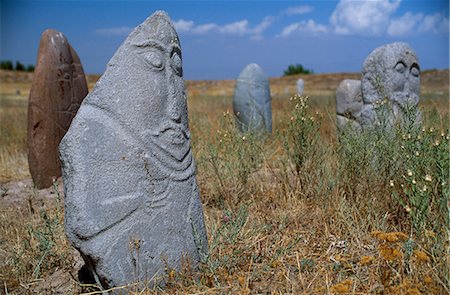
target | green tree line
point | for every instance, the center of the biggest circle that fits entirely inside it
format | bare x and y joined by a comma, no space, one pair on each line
297,69
18,66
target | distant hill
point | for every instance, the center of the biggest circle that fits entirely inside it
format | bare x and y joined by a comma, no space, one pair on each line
280,86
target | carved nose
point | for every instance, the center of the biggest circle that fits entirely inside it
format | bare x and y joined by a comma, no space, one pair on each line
173,103
174,109
176,116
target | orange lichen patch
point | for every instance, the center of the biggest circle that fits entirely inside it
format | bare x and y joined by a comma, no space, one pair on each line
242,281
421,256
172,274
376,233
406,288
275,263
319,290
391,237
430,233
412,291
389,253
428,280
343,287
341,258
366,260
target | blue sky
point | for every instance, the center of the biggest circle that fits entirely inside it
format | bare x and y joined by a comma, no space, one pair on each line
219,38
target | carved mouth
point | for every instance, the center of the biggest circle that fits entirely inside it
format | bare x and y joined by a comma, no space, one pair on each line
174,135
172,140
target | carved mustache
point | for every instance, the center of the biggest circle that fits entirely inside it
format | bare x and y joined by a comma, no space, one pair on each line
173,131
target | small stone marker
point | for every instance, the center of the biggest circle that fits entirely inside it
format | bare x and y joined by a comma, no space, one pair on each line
389,89
252,102
348,103
300,86
59,86
132,205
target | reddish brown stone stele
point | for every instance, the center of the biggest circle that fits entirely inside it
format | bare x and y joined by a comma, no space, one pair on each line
59,86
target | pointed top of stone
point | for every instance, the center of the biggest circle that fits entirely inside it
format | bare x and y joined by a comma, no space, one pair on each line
251,72
53,37
54,48
157,27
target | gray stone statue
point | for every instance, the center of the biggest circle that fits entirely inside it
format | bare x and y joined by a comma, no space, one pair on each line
252,103
300,86
349,104
132,204
391,75
390,87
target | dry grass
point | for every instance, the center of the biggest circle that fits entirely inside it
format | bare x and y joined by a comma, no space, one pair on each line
276,225
13,147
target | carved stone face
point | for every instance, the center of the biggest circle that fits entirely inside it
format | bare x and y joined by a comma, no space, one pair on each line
405,83
160,56
170,123
392,71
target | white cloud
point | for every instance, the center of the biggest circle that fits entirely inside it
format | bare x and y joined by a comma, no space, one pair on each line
239,28
289,29
309,26
183,25
263,25
203,29
296,10
435,23
119,31
411,23
404,25
363,17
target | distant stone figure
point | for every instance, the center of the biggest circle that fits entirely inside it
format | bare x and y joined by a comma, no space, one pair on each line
349,103
391,73
132,205
390,87
59,86
300,86
252,102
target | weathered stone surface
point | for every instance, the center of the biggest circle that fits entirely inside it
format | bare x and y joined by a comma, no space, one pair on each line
388,92
348,103
300,86
132,204
252,103
392,73
59,86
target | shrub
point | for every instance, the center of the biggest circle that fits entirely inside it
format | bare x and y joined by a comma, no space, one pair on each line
6,65
30,68
296,69
19,66
232,157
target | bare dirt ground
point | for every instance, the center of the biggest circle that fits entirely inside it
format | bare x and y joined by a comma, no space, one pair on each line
22,197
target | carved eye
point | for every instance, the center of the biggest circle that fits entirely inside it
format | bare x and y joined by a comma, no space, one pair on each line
415,71
153,59
66,76
400,67
177,64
